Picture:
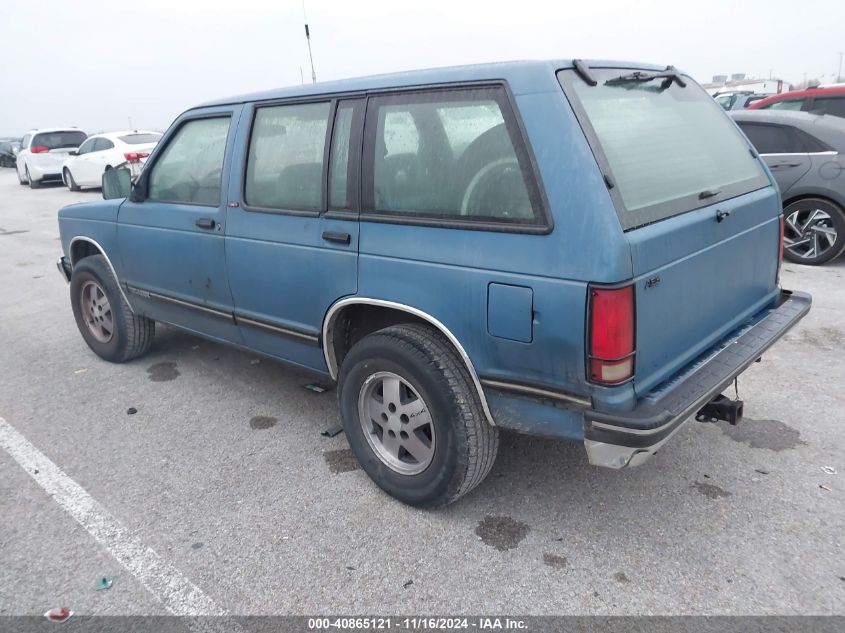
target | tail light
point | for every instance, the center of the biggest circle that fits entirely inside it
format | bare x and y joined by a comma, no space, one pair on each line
131,156
611,335
39,149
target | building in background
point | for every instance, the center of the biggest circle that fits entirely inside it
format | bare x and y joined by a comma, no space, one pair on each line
738,82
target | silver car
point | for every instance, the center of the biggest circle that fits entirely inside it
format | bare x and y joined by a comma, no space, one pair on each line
805,155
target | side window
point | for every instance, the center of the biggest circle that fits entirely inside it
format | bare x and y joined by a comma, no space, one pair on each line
835,106
87,146
189,169
25,141
339,162
103,144
285,162
771,139
787,104
448,155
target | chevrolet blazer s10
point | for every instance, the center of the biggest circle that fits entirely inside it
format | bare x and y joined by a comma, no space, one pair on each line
578,250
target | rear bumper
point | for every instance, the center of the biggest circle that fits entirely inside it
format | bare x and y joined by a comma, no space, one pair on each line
617,439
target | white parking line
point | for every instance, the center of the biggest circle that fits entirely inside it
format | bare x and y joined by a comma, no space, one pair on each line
178,594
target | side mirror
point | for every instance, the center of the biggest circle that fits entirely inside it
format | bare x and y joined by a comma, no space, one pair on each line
73,152
117,183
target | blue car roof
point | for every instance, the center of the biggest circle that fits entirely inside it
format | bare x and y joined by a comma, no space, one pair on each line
522,76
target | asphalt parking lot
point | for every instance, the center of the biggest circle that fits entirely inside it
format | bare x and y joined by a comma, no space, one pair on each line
222,483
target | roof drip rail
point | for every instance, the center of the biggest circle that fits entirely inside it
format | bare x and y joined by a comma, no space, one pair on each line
584,73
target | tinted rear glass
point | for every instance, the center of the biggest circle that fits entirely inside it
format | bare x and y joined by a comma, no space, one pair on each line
664,145
140,139
57,140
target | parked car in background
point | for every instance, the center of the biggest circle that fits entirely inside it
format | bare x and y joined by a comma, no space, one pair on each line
85,167
816,100
43,152
806,155
520,246
9,153
738,99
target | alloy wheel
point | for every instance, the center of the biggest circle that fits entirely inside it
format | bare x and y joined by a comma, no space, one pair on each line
397,423
96,311
809,233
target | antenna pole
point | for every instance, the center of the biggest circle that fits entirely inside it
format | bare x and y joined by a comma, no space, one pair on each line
308,40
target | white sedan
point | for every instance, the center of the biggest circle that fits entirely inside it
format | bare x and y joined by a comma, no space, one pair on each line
85,167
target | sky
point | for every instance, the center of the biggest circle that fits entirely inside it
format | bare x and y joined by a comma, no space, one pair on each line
109,65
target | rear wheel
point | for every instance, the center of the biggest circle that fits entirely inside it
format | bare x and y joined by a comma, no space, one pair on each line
413,417
69,181
102,315
33,184
21,181
813,231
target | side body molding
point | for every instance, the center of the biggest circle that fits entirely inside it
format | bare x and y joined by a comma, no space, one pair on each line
328,334
80,238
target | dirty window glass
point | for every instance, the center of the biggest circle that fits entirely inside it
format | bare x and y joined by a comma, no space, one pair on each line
448,156
191,165
338,193
665,145
285,163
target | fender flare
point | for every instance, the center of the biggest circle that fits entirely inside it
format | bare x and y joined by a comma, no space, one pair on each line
337,306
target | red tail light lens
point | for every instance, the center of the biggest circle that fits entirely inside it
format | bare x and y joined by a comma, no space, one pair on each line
611,344
130,156
39,149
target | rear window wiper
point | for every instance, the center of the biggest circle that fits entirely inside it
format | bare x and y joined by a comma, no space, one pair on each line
669,75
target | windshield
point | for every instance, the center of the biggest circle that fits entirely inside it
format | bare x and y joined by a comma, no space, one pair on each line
57,140
141,138
668,149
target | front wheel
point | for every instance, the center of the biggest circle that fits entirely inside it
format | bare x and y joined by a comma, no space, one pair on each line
102,315
413,417
813,231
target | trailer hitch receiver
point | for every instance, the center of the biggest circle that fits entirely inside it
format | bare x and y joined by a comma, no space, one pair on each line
721,408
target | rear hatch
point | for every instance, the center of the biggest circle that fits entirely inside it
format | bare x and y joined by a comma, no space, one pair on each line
696,206
49,150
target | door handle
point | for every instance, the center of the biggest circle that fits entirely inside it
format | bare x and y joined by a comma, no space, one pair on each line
205,223
779,165
342,238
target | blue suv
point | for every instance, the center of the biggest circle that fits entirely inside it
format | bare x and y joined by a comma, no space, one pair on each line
587,251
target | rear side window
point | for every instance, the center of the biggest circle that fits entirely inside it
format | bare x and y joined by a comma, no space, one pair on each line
191,167
667,149
454,156
834,106
286,153
772,139
786,104
103,144
59,140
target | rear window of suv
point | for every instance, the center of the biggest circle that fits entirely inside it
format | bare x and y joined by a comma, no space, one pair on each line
58,140
667,149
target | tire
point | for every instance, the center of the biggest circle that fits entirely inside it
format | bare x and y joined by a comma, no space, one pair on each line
21,181
33,184
462,443
70,182
130,335
817,228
